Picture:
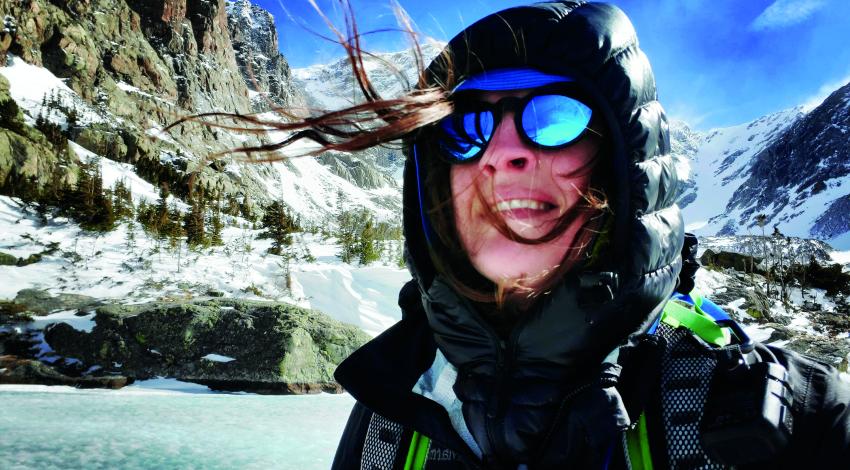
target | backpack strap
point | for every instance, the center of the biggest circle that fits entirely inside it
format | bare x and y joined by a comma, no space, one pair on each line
383,441
417,454
685,378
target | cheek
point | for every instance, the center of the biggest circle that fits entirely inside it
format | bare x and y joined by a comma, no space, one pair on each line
573,167
466,204
464,195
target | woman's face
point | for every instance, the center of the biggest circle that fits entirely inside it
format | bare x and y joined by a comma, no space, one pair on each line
530,189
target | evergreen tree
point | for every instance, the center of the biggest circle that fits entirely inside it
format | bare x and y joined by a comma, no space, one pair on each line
366,250
216,225
193,223
347,236
279,225
71,119
162,218
173,230
131,234
122,201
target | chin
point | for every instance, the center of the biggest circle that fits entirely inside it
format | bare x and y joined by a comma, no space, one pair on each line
507,261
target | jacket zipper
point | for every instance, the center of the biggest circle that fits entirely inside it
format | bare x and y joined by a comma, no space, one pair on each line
496,406
560,412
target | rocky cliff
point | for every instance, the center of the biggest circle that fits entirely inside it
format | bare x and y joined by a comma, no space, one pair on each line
130,67
264,69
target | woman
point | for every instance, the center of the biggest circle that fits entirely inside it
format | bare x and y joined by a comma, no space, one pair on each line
543,239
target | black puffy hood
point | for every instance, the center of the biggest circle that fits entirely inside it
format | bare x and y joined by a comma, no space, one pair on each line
567,335
596,44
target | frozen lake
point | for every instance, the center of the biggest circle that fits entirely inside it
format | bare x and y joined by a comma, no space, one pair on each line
165,424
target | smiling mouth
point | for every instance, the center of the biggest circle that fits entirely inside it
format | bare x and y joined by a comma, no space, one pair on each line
523,208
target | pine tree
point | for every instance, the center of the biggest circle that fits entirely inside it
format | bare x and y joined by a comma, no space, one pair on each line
88,202
131,234
193,223
366,250
71,119
162,220
279,225
216,225
101,213
347,236
122,201
173,230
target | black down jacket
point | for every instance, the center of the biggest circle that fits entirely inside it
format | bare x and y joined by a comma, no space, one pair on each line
543,397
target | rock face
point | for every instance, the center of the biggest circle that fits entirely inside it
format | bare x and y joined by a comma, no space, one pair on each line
265,71
356,170
132,67
15,370
225,344
26,153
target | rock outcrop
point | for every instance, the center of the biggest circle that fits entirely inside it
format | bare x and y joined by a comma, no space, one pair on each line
26,153
41,302
264,69
226,344
16,370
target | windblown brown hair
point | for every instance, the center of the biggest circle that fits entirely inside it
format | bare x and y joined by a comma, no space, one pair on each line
378,121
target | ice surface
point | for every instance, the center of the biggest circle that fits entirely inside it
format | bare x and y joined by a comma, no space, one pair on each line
153,426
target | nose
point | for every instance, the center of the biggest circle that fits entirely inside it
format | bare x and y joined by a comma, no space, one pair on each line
506,151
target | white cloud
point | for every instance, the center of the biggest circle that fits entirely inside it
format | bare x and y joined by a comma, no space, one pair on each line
823,92
782,13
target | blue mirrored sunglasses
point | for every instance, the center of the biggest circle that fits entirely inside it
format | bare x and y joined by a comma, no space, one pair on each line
547,119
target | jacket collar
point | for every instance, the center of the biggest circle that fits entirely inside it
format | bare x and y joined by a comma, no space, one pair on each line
381,375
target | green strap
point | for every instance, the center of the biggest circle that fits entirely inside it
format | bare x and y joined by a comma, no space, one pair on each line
418,452
678,313
637,440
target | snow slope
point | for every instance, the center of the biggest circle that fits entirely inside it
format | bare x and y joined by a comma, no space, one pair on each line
720,166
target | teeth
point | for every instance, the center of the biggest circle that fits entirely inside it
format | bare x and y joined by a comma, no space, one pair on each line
521,204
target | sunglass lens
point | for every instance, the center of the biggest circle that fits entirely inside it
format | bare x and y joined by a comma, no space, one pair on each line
465,135
555,120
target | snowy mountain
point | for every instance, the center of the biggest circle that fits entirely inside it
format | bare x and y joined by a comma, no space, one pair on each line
142,68
791,166
719,163
105,96
332,86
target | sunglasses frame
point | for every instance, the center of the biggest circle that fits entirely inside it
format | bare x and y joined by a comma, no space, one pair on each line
469,101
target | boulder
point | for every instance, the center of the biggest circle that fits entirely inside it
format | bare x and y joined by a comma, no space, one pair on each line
226,344
730,259
41,302
15,370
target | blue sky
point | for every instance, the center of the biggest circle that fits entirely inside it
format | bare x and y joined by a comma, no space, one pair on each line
717,62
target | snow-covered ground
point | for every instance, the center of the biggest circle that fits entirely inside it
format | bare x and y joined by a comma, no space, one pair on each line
118,267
